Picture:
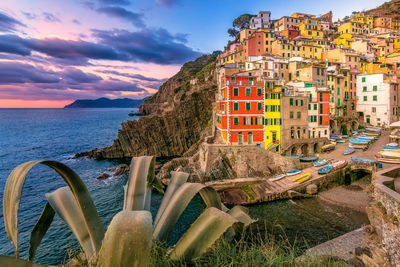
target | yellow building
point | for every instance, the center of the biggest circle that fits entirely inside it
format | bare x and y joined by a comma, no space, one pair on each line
375,67
345,40
396,44
286,48
302,16
354,28
361,17
311,28
273,118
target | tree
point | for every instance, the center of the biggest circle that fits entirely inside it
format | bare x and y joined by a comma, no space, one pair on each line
243,21
233,32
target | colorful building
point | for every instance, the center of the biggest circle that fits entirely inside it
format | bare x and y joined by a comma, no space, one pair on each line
310,28
240,110
272,117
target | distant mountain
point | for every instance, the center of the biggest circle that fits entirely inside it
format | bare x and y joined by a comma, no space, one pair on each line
390,9
106,103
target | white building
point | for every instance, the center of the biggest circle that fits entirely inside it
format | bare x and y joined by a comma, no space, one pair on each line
377,98
261,21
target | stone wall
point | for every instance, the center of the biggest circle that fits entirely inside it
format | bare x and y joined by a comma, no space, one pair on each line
384,216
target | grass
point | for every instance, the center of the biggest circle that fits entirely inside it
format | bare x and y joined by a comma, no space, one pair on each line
247,190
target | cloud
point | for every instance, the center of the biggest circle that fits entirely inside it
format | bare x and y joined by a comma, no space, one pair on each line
122,13
115,2
167,3
49,17
15,72
77,22
133,76
147,45
29,15
76,76
8,24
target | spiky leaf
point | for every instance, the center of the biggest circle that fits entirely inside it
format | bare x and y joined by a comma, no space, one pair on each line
241,214
176,181
12,197
40,229
178,203
128,240
203,233
14,262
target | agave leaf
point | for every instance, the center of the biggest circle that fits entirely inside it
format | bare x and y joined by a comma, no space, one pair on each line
40,229
178,203
12,197
203,233
128,240
138,187
242,215
177,179
14,262
63,202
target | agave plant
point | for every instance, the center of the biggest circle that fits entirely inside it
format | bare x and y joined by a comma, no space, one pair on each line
128,239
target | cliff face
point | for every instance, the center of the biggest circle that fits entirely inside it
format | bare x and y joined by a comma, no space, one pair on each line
179,114
390,8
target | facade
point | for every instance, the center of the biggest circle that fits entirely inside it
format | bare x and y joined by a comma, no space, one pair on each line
240,113
285,23
310,27
377,99
262,20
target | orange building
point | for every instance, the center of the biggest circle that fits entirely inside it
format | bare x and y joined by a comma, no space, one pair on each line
240,110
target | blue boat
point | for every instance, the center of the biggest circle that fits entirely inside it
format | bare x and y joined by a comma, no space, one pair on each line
292,157
391,147
308,159
325,170
359,141
294,172
362,161
348,151
278,177
320,162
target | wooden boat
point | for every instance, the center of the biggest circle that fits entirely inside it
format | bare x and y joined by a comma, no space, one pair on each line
321,162
325,170
341,141
362,161
301,177
278,177
306,177
294,172
328,147
388,160
348,151
308,159
390,154
339,164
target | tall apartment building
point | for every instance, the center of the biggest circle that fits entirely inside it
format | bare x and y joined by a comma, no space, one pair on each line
262,20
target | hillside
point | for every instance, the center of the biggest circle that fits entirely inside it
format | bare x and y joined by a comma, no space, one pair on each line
390,8
179,115
106,103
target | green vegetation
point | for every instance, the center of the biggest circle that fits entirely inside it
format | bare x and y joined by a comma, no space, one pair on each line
248,191
129,237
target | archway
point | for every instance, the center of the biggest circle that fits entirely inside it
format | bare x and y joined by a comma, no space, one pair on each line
304,150
332,125
250,138
293,151
354,125
316,148
343,129
347,179
240,138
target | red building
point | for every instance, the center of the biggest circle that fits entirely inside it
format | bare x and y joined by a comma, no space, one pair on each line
259,43
240,110
323,111
292,32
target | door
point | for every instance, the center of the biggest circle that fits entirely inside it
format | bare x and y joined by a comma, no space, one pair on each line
240,141
273,137
250,138
368,120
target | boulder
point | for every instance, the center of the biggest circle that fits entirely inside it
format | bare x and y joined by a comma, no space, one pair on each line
103,176
312,189
121,169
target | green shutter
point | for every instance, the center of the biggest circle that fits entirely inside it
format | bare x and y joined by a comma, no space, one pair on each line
235,91
235,106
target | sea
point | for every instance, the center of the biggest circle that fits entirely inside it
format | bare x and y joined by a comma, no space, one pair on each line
58,134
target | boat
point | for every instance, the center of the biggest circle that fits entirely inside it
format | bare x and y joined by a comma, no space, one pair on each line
328,147
278,177
334,137
344,136
359,141
362,161
390,154
394,148
388,160
348,151
321,162
292,157
301,177
325,170
306,177
392,144
294,172
308,159
339,164
341,141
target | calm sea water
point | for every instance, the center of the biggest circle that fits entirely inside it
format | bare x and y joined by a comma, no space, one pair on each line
58,134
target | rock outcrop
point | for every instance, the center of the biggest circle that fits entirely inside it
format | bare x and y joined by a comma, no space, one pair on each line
177,116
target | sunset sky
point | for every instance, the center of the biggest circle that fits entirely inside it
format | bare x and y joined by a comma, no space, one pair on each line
53,52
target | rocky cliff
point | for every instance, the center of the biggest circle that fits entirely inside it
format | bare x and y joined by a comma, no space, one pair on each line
390,9
177,116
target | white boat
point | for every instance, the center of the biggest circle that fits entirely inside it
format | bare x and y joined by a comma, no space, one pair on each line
294,172
390,154
278,177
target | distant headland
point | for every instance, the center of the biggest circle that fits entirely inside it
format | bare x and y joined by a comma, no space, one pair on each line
106,103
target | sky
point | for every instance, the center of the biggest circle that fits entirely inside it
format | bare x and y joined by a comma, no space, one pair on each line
53,52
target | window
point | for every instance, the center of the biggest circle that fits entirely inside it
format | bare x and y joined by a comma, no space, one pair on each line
248,91
365,98
298,115
259,106
259,92
363,79
338,91
291,114
235,121
375,88
235,91
309,106
248,106
315,106
235,106
373,109
320,119
375,98
301,102
364,88
291,101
